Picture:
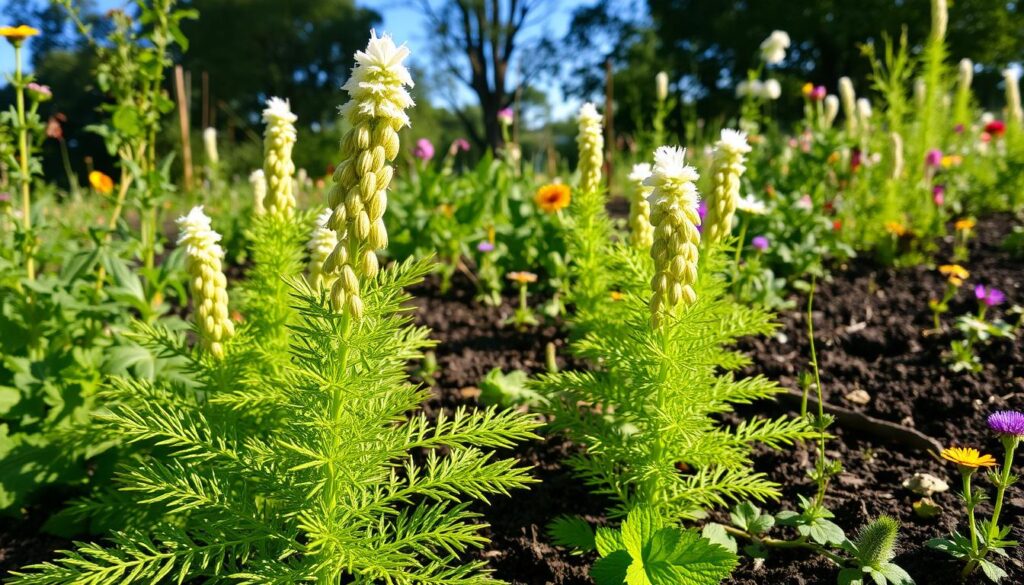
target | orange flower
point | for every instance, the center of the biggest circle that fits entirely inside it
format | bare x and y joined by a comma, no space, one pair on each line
101,182
522,277
617,296
963,225
16,34
955,273
553,197
968,457
807,89
895,228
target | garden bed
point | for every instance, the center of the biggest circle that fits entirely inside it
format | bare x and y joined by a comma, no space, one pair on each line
870,327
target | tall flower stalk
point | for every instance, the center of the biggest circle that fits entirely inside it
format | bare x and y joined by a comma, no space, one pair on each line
321,243
590,141
641,232
278,167
208,285
676,237
728,169
17,36
375,112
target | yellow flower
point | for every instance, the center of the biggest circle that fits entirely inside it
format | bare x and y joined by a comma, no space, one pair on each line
963,225
552,198
968,457
955,273
101,182
895,228
522,277
951,160
834,158
807,89
617,296
16,34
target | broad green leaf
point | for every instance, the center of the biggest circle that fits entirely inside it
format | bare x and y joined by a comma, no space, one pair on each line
608,541
572,532
716,533
611,569
895,574
638,529
991,570
851,577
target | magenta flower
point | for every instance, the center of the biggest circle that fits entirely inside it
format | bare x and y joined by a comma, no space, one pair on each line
1007,422
933,158
939,195
959,129
461,144
5,197
990,296
506,116
818,93
39,93
423,150
760,243
485,246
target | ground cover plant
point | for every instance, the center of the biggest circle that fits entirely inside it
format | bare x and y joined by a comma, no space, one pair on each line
649,342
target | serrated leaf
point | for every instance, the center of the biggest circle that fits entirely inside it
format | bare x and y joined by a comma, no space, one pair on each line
608,541
716,533
895,574
611,569
991,570
823,531
572,532
638,529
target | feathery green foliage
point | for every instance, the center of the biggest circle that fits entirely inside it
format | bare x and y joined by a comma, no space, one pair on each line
342,483
873,551
645,411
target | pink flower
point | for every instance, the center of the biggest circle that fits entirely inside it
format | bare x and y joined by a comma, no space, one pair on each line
805,203
461,144
990,296
506,116
818,93
760,243
939,195
39,93
485,246
423,150
933,158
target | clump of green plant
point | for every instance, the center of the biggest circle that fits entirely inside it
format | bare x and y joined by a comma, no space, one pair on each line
312,467
644,412
646,550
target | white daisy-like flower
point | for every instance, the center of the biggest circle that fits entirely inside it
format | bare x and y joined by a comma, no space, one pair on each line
377,83
752,205
588,115
734,141
640,172
671,174
278,111
773,48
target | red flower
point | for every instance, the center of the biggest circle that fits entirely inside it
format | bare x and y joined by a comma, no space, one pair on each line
837,225
856,159
996,127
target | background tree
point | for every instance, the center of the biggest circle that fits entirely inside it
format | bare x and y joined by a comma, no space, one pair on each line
479,42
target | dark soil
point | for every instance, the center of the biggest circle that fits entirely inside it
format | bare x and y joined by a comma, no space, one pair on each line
870,331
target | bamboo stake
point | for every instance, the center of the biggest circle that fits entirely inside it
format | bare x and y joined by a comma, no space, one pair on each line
186,145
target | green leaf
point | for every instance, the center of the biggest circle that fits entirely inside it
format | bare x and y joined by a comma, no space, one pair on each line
608,541
638,529
991,570
697,561
950,547
572,532
611,569
851,577
823,531
716,533
126,121
895,574
9,397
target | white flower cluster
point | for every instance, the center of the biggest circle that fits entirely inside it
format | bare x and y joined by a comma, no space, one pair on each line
258,182
321,243
203,257
590,141
769,89
728,168
641,232
773,48
278,141
675,218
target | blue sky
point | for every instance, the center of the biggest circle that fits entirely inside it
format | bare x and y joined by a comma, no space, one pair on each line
403,21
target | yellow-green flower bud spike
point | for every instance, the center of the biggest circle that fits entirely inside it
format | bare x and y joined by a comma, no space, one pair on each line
676,237
258,182
590,142
203,256
641,232
321,244
728,169
210,145
278,141
375,112
1014,112
849,99
940,20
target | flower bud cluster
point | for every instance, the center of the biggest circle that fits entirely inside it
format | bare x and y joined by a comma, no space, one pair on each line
278,141
203,257
728,168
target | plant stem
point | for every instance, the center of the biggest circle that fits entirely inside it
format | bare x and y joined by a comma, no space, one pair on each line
822,480
743,236
969,497
72,178
778,543
25,179
1004,482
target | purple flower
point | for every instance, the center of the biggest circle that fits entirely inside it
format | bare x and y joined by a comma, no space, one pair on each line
423,150
1007,422
760,243
933,158
939,194
506,116
959,129
485,246
990,296
818,93
702,210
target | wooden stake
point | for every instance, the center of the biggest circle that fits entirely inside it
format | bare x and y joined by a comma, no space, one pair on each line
206,100
186,145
